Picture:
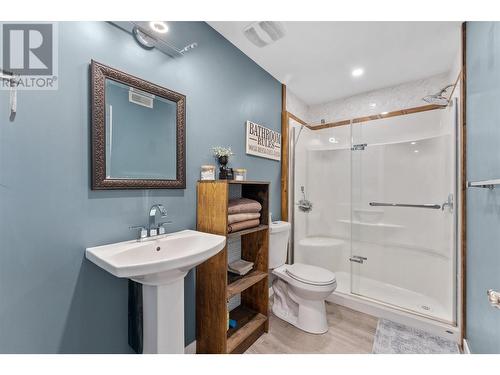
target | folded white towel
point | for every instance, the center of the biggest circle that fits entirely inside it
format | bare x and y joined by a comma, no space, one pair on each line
240,267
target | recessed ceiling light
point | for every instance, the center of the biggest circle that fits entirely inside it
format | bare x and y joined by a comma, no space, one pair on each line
373,105
158,26
358,72
333,140
384,113
416,151
413,143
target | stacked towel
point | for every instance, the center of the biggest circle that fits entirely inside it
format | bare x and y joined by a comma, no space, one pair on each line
237,218
243,213
240,267
243,205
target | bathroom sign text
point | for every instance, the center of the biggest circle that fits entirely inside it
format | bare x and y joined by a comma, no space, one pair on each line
263,142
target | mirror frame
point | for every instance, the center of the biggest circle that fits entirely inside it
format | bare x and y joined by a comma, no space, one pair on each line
99,74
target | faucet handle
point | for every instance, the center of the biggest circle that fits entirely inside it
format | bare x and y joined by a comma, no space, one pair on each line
143,232
161,226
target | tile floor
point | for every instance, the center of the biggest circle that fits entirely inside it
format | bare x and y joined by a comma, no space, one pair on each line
351,332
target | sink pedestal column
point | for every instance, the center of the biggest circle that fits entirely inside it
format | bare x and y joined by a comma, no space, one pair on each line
163,318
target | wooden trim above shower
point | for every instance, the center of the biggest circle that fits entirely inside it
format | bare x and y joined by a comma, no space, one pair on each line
284,155
300,121
400,112
284,165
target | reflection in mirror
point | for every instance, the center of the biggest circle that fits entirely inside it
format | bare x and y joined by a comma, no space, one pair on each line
140,134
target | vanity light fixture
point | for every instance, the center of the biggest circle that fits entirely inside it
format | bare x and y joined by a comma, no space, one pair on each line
150,35
358,72
189,47
158,26
144,40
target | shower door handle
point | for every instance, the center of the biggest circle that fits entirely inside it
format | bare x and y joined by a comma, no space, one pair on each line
357,259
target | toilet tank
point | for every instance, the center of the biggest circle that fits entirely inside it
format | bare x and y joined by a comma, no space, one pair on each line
279,233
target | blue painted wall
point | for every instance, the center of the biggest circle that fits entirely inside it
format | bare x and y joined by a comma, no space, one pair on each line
483,205
51,299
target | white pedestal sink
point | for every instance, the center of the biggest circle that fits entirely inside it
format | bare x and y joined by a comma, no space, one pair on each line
160,264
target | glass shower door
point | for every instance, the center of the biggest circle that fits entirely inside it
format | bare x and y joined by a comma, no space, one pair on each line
402,214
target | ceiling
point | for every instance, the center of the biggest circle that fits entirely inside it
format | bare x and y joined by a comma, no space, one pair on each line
315,59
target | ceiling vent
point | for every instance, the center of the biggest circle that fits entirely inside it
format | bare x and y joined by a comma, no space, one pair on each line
263,33
140,97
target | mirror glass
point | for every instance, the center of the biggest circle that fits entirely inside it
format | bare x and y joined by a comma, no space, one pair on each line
140,134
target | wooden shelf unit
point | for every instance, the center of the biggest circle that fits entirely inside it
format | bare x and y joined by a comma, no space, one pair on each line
244,282
212,287
246,231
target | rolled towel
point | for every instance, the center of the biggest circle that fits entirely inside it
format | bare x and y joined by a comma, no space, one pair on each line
242,225
243,205
236,218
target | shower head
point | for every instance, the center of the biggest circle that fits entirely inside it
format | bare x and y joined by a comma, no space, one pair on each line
302,126
438,98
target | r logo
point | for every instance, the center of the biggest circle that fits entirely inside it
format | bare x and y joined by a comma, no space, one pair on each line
28,49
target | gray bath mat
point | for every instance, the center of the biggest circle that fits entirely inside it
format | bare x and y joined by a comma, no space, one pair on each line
394,338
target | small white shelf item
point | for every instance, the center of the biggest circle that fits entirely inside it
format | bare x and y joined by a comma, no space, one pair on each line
379,225
488,184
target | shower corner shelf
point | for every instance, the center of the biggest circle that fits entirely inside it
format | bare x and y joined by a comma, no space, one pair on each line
485,184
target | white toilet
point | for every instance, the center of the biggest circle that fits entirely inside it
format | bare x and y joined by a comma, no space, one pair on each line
300,290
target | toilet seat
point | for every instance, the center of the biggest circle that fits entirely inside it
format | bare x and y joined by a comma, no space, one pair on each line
311,275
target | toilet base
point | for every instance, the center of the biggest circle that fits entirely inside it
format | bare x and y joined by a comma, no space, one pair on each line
307,315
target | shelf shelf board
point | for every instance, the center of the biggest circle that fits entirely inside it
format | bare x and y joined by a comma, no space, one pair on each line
248,182
245,282
246,231
248,322
235,182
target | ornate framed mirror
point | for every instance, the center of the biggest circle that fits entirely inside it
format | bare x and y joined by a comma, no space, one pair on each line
138,132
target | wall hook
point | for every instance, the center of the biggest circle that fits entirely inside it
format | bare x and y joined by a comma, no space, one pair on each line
11,78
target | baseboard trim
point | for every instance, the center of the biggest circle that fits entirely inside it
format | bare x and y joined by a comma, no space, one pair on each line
466,347
191,348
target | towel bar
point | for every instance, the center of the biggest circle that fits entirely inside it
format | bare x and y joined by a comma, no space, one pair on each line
489,184
427,205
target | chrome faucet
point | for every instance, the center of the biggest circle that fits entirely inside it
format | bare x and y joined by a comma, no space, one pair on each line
155,226
156,212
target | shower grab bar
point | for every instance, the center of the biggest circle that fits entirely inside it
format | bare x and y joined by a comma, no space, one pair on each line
488,184
431,206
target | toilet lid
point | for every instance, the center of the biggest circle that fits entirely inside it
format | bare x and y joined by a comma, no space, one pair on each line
310,274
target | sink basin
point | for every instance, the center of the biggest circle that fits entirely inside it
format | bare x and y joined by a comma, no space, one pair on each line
160,263
158,258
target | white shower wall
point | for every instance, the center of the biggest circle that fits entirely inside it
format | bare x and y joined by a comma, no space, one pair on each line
410,251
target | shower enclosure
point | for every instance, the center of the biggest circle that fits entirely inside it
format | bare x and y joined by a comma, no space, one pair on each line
381,209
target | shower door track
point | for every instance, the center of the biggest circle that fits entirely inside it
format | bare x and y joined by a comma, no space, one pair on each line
397,308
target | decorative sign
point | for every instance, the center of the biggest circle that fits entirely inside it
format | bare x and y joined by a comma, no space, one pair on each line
263,142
